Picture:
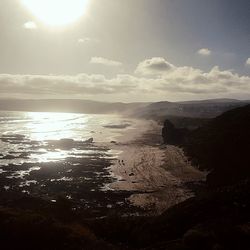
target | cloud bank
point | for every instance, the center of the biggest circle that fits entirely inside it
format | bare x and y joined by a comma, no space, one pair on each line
154,78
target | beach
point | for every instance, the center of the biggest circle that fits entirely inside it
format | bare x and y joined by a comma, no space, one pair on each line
108,165
159,174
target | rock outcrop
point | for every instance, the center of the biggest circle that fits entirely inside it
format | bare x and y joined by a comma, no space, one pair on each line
221,146
172,135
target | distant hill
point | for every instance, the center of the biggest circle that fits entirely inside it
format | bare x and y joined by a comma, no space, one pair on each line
191,109
222,100
157,111
68,105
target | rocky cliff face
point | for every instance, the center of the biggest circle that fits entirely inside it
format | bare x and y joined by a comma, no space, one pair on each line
172,135
221,146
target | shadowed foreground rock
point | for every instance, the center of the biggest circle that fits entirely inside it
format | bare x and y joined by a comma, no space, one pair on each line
217,219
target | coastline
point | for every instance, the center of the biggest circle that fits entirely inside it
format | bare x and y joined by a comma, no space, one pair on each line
156,173
131,171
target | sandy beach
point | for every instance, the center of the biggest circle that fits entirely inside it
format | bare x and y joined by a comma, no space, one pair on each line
157,173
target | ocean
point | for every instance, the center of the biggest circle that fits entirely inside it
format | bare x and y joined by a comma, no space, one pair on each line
61,155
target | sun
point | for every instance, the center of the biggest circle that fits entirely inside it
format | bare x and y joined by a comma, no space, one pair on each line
56,12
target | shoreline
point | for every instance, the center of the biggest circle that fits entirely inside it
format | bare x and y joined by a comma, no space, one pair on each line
158,174
131,171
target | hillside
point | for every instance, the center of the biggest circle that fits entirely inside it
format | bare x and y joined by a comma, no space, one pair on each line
222,146
68,105
191,109
195,110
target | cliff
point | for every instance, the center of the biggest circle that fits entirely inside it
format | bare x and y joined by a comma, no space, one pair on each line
220,146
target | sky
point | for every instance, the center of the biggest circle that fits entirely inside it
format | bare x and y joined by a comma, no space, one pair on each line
125,50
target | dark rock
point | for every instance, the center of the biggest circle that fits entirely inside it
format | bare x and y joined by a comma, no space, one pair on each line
172,135
198,239
120,126
222,147
9,157
90,140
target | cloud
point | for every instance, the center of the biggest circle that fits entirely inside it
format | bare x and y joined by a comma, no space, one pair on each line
105,61
87,40
248,61
153,66
30,25
81,84
204,52
185,79
170,82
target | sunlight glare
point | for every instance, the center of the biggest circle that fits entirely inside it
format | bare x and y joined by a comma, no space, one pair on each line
54,126
56,12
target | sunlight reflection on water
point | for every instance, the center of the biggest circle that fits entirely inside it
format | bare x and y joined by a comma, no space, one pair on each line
43,126
26,136
67,155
